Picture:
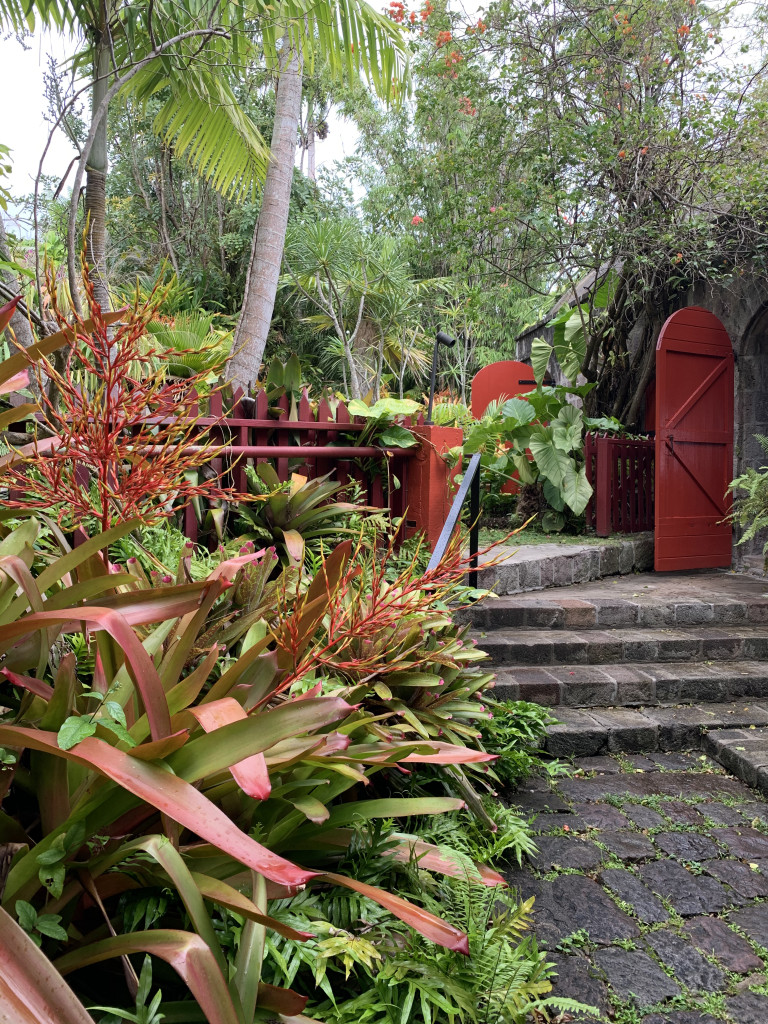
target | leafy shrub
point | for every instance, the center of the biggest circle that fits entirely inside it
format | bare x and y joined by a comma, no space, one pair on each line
294,514
515,731
103,408
199,721
191,346
750,507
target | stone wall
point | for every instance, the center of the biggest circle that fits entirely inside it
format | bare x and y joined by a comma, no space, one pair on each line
742,306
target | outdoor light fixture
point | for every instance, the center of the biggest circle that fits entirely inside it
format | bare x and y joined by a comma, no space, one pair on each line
441,338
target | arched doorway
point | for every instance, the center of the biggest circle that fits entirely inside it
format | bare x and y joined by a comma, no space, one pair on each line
752,415
694,442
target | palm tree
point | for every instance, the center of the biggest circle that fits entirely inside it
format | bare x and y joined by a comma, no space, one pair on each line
360,287
350,36
188,51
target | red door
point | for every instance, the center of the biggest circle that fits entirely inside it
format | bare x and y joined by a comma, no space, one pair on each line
694,442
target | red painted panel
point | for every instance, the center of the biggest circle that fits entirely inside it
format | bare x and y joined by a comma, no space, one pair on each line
500,380
694,442
505,379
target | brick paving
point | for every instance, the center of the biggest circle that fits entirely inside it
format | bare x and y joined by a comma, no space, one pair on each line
651,888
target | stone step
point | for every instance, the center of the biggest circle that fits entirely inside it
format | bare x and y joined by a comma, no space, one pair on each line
588,611
743,752
543,647
624,685
514,570
711,726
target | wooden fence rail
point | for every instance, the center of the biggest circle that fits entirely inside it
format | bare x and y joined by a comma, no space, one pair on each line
319,440
621,474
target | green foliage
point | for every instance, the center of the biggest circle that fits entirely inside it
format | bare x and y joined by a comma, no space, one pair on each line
295,514
191,346
502,979
38,926
516,732
360,289
750,506
145,1013
465,833
253,773
548,426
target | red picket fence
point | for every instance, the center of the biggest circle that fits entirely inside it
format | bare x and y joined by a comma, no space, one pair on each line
621,474
314,443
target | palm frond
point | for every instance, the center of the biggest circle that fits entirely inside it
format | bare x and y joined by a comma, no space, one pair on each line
203,121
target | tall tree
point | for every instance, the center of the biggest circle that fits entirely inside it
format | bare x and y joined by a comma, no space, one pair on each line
269,237
189,52
354,38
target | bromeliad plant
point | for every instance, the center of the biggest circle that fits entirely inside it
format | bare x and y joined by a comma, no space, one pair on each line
295,514
196,758
114,444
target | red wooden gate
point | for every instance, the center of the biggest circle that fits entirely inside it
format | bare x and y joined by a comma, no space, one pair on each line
694,442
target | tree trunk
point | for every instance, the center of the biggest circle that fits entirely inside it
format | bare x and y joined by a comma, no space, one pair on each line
19,323
96,174
269,237
311,172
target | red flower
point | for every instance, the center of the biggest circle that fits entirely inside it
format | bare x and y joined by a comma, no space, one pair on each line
417,219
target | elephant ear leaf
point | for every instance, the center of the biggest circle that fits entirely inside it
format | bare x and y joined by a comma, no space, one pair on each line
540,356
577,490
551,462
31,989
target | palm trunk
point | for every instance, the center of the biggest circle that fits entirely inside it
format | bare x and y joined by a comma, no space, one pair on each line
269,237
96,174
19,323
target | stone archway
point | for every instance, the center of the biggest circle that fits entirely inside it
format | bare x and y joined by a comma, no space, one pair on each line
751,413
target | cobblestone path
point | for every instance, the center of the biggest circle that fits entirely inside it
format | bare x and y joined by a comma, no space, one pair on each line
651,887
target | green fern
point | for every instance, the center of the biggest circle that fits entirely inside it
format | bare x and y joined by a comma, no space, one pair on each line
750,508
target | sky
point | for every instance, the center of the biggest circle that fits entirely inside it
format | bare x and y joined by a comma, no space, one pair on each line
24,129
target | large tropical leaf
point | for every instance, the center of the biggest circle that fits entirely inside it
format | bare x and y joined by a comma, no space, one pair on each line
32,991
551,462
209,128
576,489
188,954
161,789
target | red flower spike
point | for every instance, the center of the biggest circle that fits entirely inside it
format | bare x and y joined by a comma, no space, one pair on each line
117,442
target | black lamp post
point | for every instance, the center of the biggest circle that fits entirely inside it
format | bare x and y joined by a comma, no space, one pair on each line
441,338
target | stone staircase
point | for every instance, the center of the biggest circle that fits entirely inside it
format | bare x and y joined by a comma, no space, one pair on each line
637,663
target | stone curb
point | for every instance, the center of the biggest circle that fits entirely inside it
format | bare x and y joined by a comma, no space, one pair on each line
631,554
585,733
544,647
518,612
743,752
633,685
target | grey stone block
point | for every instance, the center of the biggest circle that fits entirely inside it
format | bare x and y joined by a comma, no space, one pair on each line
693,613
595,694
530,575
679,648
628,730
678,728
546,573
581,569
549,694
654,614
578,734
626,557
640,649
562,571
615,613
644,549
609,560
